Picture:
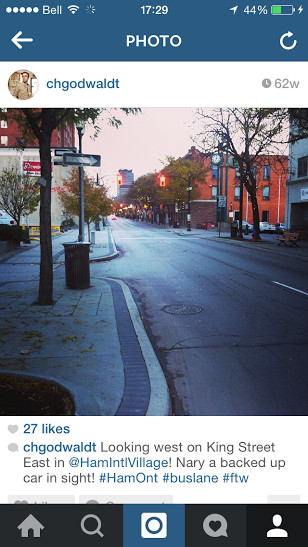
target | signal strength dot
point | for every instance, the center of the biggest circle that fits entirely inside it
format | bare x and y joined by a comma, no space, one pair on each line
73,9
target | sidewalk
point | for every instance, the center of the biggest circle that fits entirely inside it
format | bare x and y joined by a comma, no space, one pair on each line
267,244
90,341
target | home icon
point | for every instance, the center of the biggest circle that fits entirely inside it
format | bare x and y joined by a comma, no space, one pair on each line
30,523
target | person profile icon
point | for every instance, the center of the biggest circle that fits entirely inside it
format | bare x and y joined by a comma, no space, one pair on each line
277,532
23,84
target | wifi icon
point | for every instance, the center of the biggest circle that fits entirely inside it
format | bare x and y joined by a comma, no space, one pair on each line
73,9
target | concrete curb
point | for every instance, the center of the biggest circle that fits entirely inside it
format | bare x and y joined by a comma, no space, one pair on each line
160,403
263,246
110,256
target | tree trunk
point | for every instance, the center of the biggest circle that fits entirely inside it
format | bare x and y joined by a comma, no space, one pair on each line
45,296
255,214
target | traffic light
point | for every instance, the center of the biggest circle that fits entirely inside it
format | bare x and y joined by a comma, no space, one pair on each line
162,180
120,180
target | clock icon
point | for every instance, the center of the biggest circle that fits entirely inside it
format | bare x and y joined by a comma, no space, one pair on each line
266,83
216,159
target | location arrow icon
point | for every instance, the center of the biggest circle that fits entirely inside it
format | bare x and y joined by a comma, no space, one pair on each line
234,9
16,39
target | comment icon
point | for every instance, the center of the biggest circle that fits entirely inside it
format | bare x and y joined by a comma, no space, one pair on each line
215,525
13,447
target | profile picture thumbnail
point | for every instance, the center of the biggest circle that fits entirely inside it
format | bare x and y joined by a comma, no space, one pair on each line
23,84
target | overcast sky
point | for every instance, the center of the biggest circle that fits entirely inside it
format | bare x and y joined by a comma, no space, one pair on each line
141,142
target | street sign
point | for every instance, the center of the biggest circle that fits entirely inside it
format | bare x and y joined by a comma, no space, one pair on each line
32,168
85,160
58,157
222,201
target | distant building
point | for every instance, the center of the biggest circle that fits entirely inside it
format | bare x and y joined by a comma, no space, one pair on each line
125,181
27,160
297,187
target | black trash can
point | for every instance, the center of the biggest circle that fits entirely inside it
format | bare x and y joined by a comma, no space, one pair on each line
77,265
234,229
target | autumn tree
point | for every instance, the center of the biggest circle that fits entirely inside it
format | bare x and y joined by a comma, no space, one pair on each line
145,191
18,195
96,202
247,134
180,172
40,124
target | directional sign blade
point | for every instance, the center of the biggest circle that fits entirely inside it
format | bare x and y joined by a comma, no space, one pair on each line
87,160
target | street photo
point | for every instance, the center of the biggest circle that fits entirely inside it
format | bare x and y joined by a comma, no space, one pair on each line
153,261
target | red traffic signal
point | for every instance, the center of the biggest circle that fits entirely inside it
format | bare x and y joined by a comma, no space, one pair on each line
162,180
120,180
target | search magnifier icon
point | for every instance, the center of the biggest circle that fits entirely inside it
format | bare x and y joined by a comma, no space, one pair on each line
96,530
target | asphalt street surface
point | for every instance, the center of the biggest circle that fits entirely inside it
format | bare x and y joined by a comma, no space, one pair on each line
244,349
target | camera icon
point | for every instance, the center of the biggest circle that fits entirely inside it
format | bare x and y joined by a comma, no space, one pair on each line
153,525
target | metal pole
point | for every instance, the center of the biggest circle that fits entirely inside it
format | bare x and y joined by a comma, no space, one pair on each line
81,192
279,199
241,208
226,184
189,205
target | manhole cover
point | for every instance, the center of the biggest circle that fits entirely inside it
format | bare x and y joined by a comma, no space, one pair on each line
180,309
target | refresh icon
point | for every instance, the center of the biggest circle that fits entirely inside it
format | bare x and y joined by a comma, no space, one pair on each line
283,38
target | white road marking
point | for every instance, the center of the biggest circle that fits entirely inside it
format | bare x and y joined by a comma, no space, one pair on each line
291,288
147,237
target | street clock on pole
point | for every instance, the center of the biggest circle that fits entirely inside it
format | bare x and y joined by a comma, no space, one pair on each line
217,159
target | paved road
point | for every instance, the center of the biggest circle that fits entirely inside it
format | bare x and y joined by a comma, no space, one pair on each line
246,351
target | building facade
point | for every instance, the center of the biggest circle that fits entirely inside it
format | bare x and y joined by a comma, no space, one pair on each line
15,153
297,187
271,176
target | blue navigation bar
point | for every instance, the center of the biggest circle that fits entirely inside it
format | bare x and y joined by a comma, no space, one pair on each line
171,30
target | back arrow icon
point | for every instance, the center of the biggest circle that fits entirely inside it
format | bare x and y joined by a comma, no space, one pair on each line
16,39
287,35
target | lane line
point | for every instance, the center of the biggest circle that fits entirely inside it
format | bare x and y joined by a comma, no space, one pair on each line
291,288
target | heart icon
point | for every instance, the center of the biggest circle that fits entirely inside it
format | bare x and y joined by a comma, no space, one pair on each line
13,428
21,502
215,525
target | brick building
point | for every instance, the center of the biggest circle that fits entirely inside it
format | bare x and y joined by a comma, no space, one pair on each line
271,175
27,159
61,137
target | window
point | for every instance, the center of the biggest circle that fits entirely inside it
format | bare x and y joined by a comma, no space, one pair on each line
237,191
302,166
266,193
237,173
214,192
3,124
266,172
265,216
4,140
215,172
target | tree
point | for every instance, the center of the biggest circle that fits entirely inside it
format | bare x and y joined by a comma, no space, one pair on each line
179,173
40,123
96,202
248,134
18,195
144,191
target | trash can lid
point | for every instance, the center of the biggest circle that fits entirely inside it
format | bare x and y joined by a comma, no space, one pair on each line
76,244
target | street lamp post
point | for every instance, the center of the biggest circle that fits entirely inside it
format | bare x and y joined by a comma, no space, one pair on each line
80,128
189,189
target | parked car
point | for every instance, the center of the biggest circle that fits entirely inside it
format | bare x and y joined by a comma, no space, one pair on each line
244,224
5,218
266,227
206,225
279,227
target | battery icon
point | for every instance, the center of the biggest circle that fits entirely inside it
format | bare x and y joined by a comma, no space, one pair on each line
283,10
